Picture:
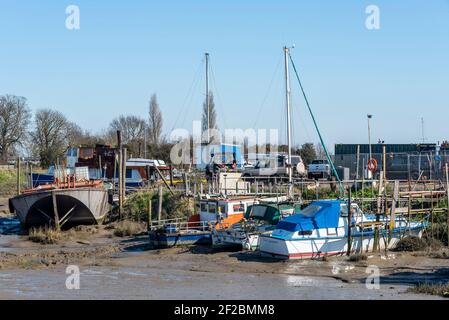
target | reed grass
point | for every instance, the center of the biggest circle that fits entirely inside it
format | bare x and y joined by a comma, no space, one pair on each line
44,235
128,228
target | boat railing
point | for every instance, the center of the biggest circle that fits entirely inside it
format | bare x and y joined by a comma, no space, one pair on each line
180,225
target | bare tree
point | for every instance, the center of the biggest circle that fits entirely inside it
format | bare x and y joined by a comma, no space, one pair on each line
132,129
49,138
212,114
14,119
76,136
155,121
320,153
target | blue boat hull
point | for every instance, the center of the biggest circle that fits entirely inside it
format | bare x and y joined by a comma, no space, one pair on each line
166,240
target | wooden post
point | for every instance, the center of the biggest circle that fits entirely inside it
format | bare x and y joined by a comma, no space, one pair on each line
379,195
124,174
149,218
447,190
409,206
431,214
384,162
101,169
349,222
31,176
393,207
171,176
358,162
18,175
159,209
362,229
120,173
55,211
120,182
147,172
163,179
186,187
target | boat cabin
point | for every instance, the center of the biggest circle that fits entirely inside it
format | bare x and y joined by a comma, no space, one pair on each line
228,210
270,213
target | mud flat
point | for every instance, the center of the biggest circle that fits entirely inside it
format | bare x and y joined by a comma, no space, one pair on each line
125,268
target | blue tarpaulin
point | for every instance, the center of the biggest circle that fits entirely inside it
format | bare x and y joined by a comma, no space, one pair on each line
318,215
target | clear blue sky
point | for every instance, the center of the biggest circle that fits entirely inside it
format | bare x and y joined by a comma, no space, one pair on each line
127,50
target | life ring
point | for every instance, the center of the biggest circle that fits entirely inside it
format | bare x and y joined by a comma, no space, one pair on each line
372,165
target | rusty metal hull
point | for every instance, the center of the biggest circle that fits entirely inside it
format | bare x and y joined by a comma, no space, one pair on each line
80,206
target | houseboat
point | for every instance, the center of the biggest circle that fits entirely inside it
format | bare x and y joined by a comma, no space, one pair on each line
63,204
321,229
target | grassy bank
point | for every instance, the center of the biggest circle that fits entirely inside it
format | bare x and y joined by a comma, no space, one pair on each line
435,289
173,206
8,182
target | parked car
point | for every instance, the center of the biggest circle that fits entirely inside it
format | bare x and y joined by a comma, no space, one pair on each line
275,166
319,169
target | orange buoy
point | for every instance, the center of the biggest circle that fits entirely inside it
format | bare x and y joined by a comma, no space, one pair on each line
372,165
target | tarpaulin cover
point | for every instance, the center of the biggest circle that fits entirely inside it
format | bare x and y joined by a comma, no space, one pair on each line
318,215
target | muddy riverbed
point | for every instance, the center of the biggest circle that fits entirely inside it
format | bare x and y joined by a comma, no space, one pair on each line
125,268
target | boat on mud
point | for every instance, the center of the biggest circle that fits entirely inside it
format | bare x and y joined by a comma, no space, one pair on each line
321,229
171,233
197,229
64,205
259,219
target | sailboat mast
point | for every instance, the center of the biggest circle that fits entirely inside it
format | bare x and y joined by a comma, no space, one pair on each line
207,97
289,128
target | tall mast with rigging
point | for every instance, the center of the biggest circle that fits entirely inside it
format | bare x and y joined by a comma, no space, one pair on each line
289,129
207,97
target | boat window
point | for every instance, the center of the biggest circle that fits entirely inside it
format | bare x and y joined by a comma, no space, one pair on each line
86,153
311,210
203,207
222,208
238,207
212,208
320,162
258,211
344,210
129,173
72,152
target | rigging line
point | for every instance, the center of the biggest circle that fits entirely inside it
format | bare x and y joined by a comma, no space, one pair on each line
316,127
189,93
192,97
212,72
268,91
307,136
189,103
